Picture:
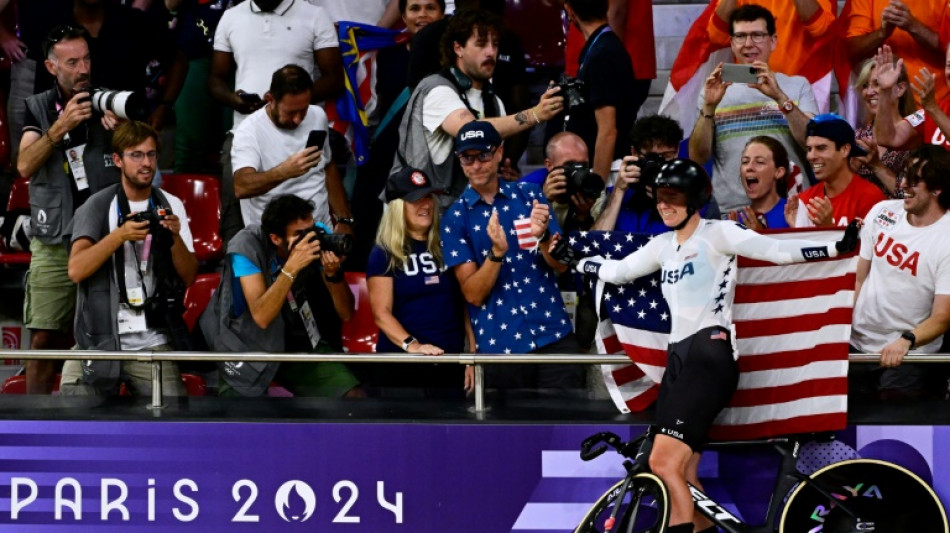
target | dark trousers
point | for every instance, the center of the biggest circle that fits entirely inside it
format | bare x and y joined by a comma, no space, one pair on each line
540,377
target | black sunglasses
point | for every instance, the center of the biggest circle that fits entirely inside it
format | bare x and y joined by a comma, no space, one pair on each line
60,33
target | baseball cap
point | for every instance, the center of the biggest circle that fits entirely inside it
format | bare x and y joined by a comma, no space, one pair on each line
836,128
410,184
477,135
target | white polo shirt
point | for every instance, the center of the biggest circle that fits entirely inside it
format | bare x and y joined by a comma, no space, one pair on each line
262,42
261,145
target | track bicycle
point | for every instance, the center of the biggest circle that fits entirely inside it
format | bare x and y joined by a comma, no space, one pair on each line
852,496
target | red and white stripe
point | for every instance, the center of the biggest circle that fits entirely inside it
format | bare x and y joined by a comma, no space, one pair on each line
526,241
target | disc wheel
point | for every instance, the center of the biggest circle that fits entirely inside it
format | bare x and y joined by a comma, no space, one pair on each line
645,506
881,497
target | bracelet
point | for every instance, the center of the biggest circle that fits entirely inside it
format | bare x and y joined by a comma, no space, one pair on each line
535,115
49,139
290,276
710,117
336,278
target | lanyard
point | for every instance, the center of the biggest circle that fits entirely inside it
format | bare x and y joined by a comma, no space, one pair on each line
586,52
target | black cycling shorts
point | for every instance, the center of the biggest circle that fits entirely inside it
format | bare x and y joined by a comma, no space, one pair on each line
701,376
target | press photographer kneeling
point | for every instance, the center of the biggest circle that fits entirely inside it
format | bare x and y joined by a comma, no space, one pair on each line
132,258
282,290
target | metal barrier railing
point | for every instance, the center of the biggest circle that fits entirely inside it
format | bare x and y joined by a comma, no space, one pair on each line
477,360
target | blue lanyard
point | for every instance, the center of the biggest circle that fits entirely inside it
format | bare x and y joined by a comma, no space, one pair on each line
589,48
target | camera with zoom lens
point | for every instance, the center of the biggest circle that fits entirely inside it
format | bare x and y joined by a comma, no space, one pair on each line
129,105
580,178
572,89
338,243
649,166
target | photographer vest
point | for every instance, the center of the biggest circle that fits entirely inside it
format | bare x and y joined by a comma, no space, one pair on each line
226,333
413,149
51,188
98,296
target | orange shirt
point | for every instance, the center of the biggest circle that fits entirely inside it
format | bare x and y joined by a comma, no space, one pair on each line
805,48
865,17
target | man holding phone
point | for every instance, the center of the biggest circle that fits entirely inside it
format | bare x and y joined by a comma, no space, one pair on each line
282,148
734,107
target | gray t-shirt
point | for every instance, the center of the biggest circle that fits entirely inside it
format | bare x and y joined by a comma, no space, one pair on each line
745,113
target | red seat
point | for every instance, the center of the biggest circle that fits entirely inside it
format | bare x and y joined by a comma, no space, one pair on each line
19,201
198,295
359,334
200,194
194,384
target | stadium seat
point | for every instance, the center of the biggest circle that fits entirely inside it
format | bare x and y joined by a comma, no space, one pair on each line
194,384
199,193
359,334
198,295
19,201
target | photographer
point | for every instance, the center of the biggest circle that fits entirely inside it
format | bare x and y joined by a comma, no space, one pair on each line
278,277
58,121
566,155
606,73
132,256
630,205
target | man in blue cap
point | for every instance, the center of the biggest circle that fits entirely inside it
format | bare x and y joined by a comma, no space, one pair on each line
495,237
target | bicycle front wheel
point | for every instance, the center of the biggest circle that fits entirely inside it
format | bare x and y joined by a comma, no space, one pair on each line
868,495
643,508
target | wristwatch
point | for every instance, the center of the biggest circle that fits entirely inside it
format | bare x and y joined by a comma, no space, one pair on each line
787,107
909,335
405,344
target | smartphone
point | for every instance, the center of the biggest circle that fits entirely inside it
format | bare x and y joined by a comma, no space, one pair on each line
739,73
317,138
250,98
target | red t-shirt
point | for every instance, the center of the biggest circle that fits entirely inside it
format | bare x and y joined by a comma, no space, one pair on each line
927,128
853,202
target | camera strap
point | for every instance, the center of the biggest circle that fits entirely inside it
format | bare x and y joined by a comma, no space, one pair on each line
141,261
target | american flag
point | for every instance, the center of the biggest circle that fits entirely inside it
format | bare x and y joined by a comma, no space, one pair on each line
793,323
526,241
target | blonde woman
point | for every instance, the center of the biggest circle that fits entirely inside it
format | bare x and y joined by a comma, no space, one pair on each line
416,304
881,165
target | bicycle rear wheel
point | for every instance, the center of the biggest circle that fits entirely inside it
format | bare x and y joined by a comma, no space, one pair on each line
644,508
884,497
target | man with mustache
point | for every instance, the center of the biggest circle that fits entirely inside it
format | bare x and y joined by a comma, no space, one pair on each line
462,92
58,121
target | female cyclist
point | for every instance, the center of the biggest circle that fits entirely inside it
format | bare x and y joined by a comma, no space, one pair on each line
697,261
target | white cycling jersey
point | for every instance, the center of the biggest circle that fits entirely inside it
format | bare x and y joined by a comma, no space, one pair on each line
698,277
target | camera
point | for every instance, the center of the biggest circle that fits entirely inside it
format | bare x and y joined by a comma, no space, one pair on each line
338,243
649,166
572,89
580,178
125,104
154,217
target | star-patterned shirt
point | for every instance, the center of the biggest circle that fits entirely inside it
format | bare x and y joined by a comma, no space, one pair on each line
524,311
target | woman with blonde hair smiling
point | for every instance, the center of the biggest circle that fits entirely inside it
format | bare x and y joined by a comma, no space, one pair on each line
416,303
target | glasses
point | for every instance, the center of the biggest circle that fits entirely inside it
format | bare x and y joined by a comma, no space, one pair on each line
61,32
665,154
483,157
757,37
138,155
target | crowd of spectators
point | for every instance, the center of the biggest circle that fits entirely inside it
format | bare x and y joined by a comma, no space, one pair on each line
453,238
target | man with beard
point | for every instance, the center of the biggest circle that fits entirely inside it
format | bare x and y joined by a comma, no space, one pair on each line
270,156
903,283
131,252
252,40
462,92
58,121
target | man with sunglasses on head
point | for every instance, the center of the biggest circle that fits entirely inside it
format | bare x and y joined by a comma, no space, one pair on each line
732,113
132,256
903,282
495,238
59,120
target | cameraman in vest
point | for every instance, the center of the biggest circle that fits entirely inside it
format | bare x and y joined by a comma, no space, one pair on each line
132,257
444,102
59,120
